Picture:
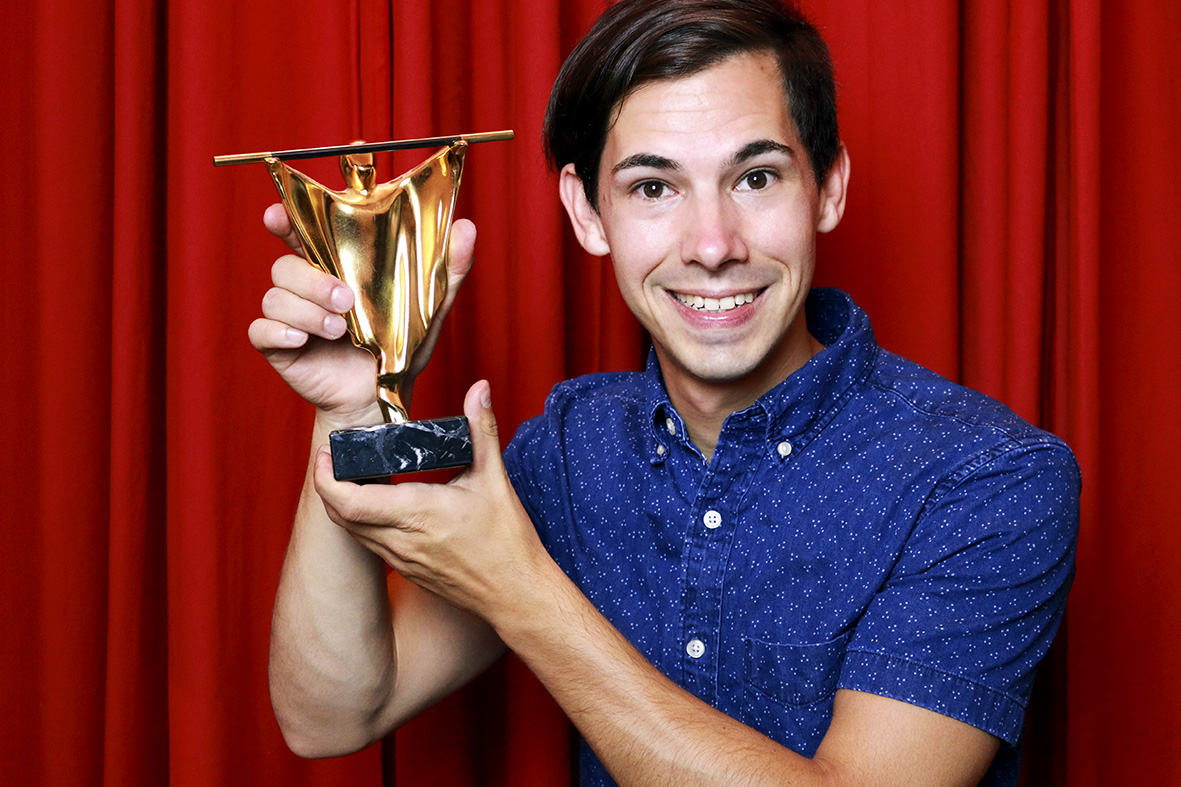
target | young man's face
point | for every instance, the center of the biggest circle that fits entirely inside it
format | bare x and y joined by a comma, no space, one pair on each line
709,210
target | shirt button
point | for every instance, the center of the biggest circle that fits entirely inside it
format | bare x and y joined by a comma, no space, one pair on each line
712,519
784,449
671,425
659,450
695,648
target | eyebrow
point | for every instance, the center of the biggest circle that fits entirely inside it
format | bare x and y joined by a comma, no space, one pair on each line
747,152
646,160
758,148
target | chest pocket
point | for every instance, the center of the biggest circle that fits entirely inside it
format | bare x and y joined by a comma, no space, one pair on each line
788,689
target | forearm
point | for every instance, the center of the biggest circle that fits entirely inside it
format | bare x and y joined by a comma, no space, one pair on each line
332,665
644,728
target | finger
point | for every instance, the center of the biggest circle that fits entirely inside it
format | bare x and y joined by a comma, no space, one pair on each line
342,499
285,307
312,284
278,223
477,406
357,507
267,335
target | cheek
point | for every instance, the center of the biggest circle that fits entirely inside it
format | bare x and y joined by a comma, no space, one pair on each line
792,243
637,249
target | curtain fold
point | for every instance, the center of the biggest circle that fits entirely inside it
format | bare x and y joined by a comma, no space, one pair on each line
1010,224
135,743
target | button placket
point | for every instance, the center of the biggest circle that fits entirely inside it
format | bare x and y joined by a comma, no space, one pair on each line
708,541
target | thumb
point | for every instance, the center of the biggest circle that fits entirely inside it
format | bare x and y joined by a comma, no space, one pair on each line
477,406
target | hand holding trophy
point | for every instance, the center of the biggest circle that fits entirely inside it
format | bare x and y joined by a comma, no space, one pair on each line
388,242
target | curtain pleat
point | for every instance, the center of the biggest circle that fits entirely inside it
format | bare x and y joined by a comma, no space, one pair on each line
1011,224
135,742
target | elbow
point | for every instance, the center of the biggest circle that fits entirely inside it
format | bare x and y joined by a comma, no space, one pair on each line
316,730
315,740
315,747
326,719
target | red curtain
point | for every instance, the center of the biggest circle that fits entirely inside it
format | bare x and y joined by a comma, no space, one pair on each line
1010,224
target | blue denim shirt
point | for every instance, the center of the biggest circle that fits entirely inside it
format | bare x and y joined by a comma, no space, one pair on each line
866,524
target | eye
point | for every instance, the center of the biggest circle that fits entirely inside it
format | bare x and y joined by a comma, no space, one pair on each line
756,180
651,189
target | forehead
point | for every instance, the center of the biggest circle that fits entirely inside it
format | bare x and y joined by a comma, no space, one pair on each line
727,105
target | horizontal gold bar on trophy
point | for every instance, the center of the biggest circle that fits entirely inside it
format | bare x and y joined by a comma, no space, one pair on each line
364,147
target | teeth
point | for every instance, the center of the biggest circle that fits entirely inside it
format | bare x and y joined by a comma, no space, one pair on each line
716,304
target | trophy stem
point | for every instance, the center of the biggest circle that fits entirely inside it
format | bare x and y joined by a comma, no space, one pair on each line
389,399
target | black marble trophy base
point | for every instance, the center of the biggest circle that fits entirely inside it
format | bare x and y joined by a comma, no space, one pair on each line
390,449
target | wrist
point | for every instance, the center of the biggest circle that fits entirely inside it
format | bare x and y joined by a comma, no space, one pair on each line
332,420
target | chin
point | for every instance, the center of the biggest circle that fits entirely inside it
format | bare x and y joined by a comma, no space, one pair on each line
723,371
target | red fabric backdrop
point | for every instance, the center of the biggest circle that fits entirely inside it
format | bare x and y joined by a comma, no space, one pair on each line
1011,224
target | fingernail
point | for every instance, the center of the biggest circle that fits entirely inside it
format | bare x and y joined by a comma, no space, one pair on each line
486,396
295,336
341,298
334,325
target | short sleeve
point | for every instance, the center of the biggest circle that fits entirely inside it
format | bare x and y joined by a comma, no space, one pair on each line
974,600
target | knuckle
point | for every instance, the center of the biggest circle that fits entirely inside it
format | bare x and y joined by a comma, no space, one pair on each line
345,509
255,332
286,270
271,301
325,284
488,424
351,511
277,269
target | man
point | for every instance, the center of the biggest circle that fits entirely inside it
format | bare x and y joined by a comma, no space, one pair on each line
778,555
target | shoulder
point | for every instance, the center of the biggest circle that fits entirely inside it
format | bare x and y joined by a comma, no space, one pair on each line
994,476
965,422
895,404
589,402
624,387
600,410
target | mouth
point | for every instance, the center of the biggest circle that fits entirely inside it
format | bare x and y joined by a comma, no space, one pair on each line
716,305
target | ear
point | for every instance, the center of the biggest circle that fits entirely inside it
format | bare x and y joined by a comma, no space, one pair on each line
832,192
588,227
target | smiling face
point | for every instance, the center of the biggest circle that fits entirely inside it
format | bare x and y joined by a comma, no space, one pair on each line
709,210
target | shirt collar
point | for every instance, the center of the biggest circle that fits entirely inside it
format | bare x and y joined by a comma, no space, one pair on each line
798,407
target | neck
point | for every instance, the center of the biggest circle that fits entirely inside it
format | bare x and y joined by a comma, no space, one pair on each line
705,405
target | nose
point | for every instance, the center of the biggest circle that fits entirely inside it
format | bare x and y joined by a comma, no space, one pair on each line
712,235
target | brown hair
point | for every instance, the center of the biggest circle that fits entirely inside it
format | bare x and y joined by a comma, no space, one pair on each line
639,41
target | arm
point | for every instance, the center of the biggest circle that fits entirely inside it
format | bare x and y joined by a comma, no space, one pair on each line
341,674
472,543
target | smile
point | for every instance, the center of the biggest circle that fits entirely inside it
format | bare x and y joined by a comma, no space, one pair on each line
725,304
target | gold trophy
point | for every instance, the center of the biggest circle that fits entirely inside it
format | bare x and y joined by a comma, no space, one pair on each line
388,242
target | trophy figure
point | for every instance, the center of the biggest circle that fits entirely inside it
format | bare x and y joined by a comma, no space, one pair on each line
388,242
